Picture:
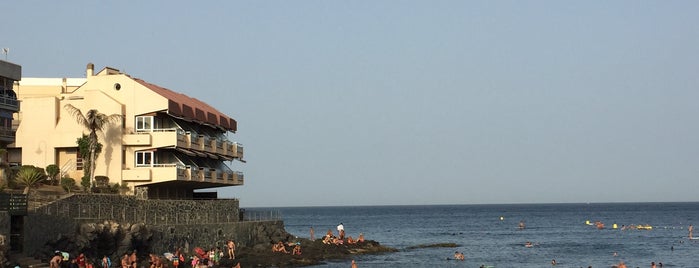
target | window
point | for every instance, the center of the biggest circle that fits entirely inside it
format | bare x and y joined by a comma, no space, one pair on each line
144,123
79,161
144,159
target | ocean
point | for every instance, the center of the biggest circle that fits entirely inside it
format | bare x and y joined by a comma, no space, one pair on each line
489,234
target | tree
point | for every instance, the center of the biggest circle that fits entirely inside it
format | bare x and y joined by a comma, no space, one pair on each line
52,171
29,177
93,121
84,151
68,184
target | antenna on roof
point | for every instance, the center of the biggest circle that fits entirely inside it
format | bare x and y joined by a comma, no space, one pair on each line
5,51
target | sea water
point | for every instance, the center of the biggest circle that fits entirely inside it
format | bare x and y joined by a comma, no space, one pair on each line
489,234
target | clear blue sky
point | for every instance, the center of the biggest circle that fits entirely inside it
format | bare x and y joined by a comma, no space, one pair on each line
410,102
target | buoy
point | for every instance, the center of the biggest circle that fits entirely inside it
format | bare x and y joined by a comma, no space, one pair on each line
502,218
588,222
614,226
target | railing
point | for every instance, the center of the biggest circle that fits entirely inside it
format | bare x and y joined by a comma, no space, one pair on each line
15,204
9,101
7,132
157,130
67,167
260,215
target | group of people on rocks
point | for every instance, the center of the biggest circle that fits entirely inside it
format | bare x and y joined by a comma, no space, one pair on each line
281,247
330,237
62,259
199,259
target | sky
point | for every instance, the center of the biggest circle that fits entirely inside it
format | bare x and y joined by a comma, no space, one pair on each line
347,103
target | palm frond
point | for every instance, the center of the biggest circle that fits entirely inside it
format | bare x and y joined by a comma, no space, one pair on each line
77,114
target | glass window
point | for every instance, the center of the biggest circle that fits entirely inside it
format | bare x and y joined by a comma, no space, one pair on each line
144,123
144,158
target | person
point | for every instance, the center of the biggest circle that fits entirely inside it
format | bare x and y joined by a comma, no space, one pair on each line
354,264
621,265
125,261
179,257
296,250
133,260
279,247
195,261
341,231
691,229
81,260
106,262
56,260
553,262
360,239
521,225
228,254
459,256
313,235
351,240
660,264
652,264
175,261
327,239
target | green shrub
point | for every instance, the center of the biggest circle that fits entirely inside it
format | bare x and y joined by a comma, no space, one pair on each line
52,172
85,183
68,184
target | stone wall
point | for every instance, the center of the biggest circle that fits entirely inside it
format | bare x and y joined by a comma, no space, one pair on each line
96,208
113,225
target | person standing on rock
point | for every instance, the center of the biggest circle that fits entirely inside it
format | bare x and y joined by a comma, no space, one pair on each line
341,231
228,255
313,234
354,264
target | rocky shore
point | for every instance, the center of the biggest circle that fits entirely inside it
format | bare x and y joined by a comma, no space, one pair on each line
313,252
114,239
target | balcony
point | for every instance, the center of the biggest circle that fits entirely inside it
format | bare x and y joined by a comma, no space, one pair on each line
235,150
8,100
173,172
170,137
7,134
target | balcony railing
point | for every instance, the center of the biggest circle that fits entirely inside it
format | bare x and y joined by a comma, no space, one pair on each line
6,133
177,171
184,139
9,102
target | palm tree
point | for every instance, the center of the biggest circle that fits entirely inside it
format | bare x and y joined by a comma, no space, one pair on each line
29,177
94,122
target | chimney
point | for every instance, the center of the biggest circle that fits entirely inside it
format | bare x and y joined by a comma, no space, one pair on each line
90,69
64,87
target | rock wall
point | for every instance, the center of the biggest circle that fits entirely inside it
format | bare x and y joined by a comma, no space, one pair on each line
112,225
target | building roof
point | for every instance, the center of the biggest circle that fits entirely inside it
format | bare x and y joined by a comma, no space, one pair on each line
181,105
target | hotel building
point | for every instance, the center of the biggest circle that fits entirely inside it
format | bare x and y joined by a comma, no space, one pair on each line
10,73
166,146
